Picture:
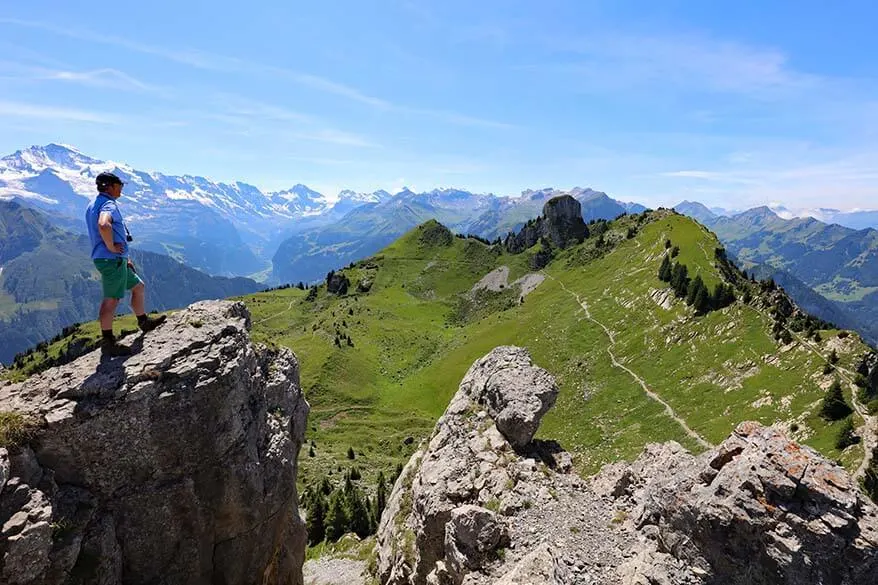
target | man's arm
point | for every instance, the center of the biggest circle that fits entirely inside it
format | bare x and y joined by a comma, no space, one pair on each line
105,228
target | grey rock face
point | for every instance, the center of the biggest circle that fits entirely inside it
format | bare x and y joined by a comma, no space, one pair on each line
471,509
758,509
564,223
561,224
337,283
435,527
176,465
868,367
515,394
471,535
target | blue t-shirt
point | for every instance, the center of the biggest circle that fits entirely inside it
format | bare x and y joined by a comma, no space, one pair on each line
105,204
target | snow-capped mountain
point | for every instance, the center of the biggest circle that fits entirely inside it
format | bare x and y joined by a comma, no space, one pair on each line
219,227
300,201
236,228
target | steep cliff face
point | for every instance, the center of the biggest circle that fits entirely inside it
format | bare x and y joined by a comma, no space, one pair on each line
483,503
561,224
176,465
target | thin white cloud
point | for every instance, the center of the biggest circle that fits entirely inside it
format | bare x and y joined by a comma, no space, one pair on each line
253,117
616,60
36,111
216,62
105,77
460,119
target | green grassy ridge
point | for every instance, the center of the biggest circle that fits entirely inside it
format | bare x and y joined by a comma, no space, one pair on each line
409,355
410,350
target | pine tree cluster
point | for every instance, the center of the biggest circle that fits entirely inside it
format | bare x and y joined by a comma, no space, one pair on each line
333,512
694,290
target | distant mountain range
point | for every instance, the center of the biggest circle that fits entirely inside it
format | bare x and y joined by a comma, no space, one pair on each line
855,219
310,254
299,234
236,229
838,262
47,280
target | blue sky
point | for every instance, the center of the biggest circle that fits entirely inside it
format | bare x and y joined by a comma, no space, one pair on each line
733,105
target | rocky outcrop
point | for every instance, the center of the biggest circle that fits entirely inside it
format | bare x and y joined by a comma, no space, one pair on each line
758,509
482,504
564,225
868,368
440,521
561,224
175,465
337,283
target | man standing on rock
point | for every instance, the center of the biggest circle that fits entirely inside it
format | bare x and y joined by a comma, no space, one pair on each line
109,251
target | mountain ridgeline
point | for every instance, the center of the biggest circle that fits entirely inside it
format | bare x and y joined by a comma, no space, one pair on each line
837,262
638,359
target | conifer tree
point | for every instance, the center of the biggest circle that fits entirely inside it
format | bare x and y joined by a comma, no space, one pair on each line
680,280
702,300
664,272
834,405
695,285
357,513
336,520
381,496
846,436
315,523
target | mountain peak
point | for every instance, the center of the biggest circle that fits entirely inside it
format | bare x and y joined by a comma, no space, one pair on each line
761,212
695,210
36,158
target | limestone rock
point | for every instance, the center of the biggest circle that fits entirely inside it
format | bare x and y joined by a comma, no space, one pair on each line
561,224
175,465
757,509
4,467
564,225
435,526
539,567
868,367
337,283
515,393
472,534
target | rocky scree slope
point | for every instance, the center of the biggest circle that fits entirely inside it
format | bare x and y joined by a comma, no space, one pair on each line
176,465
483,503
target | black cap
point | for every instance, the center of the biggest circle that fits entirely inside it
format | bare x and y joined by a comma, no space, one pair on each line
106,179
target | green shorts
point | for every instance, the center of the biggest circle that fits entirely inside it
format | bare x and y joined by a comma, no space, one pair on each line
116,277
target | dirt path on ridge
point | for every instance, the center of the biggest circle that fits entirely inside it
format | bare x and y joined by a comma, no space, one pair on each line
650,393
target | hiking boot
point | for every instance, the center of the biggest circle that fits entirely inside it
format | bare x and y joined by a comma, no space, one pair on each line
148,324
112,348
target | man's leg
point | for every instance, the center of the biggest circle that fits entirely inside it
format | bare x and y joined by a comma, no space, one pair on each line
113,284
138,300
138,303
107,312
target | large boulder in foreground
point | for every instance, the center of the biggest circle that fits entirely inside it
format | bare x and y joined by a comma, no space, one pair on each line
441,522
758,509
515,394
176,465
